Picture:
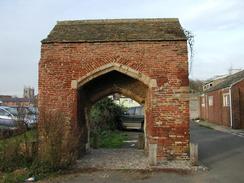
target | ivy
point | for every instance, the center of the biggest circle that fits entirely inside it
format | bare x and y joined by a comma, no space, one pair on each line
190,44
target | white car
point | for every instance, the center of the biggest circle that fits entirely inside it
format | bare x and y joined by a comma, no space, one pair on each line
7,119
133,118
21,115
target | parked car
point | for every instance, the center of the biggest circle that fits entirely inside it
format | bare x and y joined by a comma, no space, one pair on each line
22,114
7,120
133,118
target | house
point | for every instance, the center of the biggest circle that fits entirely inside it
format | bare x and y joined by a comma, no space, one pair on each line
15,101
223,103
124,101
213,82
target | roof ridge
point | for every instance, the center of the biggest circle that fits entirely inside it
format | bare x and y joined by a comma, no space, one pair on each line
228,81
117,30
101,21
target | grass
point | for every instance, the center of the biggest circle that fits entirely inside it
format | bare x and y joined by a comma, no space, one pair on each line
14,162
29,136
19,175
110,139
20,168
107,139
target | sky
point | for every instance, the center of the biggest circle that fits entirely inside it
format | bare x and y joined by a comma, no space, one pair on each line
217,25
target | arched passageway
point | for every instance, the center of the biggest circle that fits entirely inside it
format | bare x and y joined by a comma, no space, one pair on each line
99,87
145,59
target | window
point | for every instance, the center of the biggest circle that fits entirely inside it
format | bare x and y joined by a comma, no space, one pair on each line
210,101
203,101
139,111
131,111
226,100
4,113
13,110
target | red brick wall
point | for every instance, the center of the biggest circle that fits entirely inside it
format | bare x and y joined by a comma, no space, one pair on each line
221,115
238,104
217,113
167,107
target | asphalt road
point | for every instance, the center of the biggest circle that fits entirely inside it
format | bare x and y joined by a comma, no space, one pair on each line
222,153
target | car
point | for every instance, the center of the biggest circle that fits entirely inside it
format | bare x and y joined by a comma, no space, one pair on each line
22,114
133,118
7,120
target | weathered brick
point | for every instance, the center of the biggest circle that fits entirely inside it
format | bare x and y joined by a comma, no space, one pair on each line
154,73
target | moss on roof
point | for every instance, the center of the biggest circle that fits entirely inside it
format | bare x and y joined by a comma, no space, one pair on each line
116,30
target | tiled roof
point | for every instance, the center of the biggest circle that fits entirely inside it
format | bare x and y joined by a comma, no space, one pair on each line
15,99
116,30
229,80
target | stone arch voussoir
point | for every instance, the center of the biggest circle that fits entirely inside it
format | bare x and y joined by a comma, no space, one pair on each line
114,67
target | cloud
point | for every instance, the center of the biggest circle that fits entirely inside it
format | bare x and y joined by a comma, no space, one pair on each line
218,26
215,15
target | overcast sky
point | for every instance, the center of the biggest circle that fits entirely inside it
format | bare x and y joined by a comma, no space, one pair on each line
218,26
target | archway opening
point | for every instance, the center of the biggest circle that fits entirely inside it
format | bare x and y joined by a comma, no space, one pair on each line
111,84
116,122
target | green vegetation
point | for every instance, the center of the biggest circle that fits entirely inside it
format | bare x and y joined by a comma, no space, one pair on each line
195,86
28,135
104,115
14,151
61,144
108,139
104,120
16,157
16,176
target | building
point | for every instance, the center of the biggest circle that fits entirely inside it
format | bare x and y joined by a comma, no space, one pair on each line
218,79
29,92
124,101
5,96
194,106
223,103
84,61
15,101
213,82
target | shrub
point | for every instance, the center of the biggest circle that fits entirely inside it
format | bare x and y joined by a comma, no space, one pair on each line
60,142
104,115
16,152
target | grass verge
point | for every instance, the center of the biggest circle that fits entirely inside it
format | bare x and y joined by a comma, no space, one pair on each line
29,136
109,139
15,158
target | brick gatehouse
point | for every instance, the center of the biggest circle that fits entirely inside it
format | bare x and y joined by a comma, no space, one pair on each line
144,59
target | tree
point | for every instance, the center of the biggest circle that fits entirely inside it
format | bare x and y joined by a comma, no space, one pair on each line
196,86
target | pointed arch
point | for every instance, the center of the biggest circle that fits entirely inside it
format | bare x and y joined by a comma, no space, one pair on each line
115,67
122,91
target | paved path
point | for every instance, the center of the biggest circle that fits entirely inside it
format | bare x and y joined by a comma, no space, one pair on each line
132,139
237,132
222,152
123,158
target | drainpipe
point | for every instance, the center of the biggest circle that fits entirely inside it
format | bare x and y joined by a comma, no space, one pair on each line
231,120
